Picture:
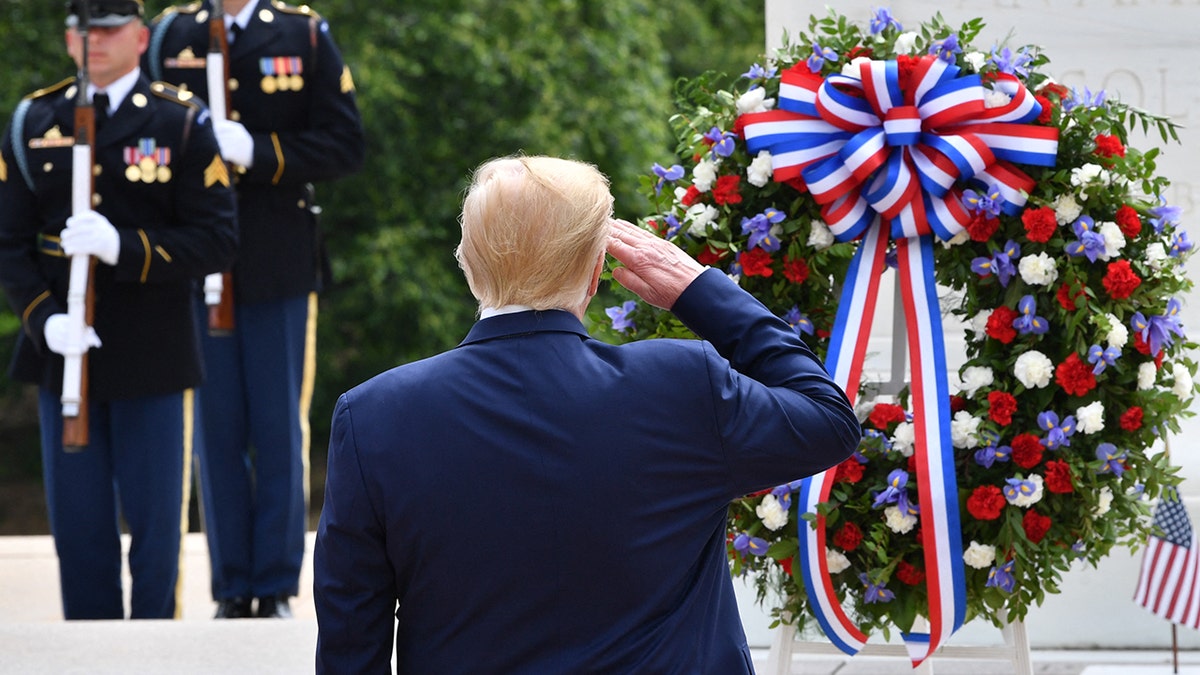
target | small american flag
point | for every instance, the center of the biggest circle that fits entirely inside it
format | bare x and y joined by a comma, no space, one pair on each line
1169,585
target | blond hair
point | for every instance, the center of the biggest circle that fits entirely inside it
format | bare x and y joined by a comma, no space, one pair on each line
532,231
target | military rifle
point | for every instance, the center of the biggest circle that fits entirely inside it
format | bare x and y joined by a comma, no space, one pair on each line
218,287
80,291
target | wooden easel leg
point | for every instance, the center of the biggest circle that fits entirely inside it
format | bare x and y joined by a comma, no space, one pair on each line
1018,640
779,662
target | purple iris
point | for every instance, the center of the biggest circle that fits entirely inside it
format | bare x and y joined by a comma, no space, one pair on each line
1085,99
1157,330
1180,245
989,455
798,321
722,142
783,493
895,491
664,175
1079,548
1029,321
757,72
1002,577
1013,64
1090,242
1114,459
1017,487
874,434
819,56
621,320
759,229
882,20
946,49
1162,215
1057,434
1102,357
745,543
875,592
1000,263
673,225
989,203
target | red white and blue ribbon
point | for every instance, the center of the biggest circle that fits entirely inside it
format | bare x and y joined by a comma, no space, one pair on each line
885,160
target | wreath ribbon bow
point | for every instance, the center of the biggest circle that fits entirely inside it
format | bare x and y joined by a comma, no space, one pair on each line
887,157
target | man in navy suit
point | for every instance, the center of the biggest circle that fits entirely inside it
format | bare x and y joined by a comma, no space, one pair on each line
536,501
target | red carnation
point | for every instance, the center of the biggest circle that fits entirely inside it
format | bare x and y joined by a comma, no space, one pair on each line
1026,451
1131,420
1001,406
726,190
884,414
1036,525
1066,297
986,502
849,537
1055,89
849,471
1075,376
957,403
905,65
710,255
1000,324
691,196
786,564
756,263
1040,224
982,227
1108,145
1129,221
739,127
1120,281
857,51
1058,477
1047,113
795,269
909,574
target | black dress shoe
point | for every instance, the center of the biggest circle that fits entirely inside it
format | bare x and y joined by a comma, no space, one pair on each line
233,608
276,607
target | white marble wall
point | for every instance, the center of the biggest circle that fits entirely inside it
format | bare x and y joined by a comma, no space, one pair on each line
1145,52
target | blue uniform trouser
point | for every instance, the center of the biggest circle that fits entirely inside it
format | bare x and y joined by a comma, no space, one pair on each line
253,450
135,467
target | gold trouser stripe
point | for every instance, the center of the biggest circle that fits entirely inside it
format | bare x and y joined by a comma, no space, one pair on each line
306,387
29,310
146,246
279,156
189,422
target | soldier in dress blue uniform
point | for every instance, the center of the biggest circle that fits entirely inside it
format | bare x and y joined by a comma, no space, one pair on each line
294,121
164,216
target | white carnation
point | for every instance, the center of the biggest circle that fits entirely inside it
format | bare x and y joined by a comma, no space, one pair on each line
978,324
1034,369
975,378
1183,386
1026,501
704,175
821,237
905,42
760,170
964,430
754,101
903,438
1147,374
959,238
836,560
1118,334
700,215
771,512
1105,502
995,99
1114,239
1085,175
977,60
1066,209
1038,270
1090,418
852,69
900,523
980,556
1156,256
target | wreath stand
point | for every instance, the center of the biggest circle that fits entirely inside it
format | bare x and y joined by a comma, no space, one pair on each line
1015,649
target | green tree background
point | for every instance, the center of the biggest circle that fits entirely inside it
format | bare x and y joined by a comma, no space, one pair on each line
442,87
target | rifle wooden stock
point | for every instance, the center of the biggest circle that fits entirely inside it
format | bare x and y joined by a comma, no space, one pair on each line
220,315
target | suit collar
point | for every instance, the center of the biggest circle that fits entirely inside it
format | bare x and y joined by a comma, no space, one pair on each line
524,323
134,112
257,32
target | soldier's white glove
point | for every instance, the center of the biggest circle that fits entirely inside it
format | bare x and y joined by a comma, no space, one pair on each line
90,233
236,144
59,338
214,284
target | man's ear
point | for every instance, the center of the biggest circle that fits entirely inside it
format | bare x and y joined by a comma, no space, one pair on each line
594,285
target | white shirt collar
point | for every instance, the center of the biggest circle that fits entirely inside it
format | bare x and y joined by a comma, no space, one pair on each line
507,309
242,18
118,90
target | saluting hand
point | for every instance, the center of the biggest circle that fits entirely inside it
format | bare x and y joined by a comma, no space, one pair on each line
654,268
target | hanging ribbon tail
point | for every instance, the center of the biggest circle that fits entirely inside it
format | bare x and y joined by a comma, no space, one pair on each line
937,487
847,351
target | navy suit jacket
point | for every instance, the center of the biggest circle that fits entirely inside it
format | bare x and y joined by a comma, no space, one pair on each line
537,501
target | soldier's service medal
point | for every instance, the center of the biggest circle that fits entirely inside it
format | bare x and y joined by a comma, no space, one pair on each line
147,163
281,73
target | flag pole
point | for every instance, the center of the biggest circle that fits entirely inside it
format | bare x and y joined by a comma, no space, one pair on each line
1174,627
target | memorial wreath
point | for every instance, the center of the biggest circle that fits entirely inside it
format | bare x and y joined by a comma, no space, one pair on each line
858,148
